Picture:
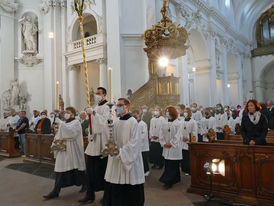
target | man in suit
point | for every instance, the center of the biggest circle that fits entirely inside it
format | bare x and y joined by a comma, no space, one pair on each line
84,122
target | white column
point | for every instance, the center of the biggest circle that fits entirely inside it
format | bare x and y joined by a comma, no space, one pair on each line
49,80
258,85
6,50
225,80
185,80
113,44
103,72
240,79
212,79
74,87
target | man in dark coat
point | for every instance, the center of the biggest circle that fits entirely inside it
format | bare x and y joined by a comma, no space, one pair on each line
43,126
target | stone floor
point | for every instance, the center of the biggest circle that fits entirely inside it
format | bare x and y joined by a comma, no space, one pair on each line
19,188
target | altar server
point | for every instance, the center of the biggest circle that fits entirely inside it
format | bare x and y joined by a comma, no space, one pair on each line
125,173
172,152
221,121
207,122
13,119
187,126
34,120
156,150
70,162
144,140
233,120
96,165
197,116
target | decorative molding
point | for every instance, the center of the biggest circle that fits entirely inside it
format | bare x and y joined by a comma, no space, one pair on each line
101,61
9,6
263,51
29,59
46,4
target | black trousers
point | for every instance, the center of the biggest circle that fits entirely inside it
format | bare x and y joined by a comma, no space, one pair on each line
185,163
156,152
96,168
171,173
145,161
220,136
124,195
67,179
200,138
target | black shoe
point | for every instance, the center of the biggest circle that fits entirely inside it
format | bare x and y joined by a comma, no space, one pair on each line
86,199
51,196
167,186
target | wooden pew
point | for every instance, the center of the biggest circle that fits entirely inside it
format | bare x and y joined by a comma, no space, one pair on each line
248,171
269,137
38,148
7,145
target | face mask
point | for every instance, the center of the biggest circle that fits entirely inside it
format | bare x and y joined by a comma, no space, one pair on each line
167,114
179,111
43,116
219,109
156,113
185,114
98,98
52,116
67,116
120,111
144,110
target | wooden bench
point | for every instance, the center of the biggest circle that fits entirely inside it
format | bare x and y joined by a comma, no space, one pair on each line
38,148
269,137
248,171
7,145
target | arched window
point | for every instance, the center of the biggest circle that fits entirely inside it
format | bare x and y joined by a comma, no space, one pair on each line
265,28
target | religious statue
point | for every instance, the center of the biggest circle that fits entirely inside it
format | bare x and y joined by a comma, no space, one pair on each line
6,98
29,32
14,93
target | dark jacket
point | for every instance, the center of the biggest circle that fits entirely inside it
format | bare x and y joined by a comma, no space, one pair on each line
85,125
250,131
46,126
271,118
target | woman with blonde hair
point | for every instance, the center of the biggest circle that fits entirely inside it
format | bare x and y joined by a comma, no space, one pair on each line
172,151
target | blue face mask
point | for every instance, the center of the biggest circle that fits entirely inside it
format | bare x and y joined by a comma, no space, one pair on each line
120,111
167,114
219,109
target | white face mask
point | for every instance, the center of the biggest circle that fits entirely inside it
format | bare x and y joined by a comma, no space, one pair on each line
67,116
98,98
185,114
43,116
144,110
52,116
156,113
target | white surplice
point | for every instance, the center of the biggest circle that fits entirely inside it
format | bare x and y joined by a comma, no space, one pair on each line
99,131
127,167
33,122
232,123
185,128
167,135
206,125
197,116
3,125
155,125
12,120
144,136
73,157
221,121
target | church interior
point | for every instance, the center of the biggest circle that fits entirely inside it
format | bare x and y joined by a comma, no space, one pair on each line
137,102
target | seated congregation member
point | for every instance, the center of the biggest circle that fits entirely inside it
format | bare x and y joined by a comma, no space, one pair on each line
187,126
43,126
208,122
233,120
96,165
144,140
34,120
156,150
21,127
254,125
172,152
221,121
70,163
125,173
197,116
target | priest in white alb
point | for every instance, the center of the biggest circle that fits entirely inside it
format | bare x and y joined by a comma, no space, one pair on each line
125,174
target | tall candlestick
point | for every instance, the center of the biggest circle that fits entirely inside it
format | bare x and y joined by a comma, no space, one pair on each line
110,83
57,95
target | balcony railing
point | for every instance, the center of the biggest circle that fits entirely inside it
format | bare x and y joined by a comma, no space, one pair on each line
89,42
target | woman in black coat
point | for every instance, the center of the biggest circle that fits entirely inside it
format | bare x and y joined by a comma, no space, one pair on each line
43,126
254,126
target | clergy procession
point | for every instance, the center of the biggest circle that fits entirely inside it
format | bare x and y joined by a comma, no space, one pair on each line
144,140
136,102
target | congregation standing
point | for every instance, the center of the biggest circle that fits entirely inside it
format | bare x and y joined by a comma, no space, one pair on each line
159,136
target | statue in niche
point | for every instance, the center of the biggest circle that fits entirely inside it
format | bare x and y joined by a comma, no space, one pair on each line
6,98
14,93
29,32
